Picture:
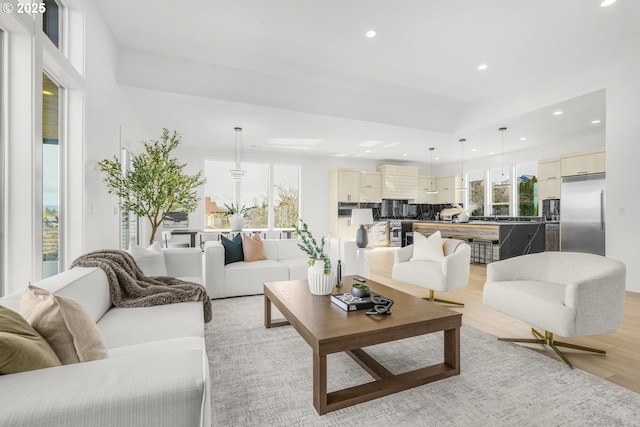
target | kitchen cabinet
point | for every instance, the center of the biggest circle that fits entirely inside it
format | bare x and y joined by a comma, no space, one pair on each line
346,230
348,185
549,179
370,187
399,182
583,164
447,190
427,185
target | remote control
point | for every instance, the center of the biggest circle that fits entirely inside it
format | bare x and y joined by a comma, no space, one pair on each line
359,279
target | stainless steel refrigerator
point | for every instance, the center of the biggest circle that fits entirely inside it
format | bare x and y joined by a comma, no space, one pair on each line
582,224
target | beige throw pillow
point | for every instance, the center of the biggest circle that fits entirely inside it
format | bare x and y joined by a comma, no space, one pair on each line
253,247
65,324
427,249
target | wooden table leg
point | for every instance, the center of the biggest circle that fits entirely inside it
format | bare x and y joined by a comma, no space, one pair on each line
452,348
320,383
267,312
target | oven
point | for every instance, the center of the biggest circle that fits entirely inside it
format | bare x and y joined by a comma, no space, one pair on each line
395,233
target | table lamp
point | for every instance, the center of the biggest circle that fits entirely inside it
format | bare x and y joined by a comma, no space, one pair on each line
361,217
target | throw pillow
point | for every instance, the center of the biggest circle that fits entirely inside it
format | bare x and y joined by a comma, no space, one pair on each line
65,324
252,247
22,348
150,260
233,249
427,249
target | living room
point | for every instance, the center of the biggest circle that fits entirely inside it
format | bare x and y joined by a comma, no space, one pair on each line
305,99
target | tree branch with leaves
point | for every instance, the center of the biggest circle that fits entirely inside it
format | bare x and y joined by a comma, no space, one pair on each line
311,247
155,185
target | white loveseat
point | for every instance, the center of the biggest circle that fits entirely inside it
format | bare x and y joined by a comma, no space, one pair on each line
156,372
284,261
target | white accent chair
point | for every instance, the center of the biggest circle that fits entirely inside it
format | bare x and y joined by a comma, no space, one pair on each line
451,273
569,293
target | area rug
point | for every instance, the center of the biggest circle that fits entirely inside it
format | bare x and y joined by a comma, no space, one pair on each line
263,377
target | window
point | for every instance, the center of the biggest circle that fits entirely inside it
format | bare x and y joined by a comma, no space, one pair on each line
286,195
51,22
50,177
2,188
275,205
129,228
500,191
527,189
476,192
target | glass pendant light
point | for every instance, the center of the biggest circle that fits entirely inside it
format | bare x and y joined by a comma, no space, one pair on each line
237,172
462,187
502,184
432,189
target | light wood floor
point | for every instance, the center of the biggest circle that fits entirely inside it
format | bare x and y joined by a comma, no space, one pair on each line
621,364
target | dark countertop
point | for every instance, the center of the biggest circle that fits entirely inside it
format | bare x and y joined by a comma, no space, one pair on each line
475,222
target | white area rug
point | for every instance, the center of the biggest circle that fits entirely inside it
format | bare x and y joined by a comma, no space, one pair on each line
263,377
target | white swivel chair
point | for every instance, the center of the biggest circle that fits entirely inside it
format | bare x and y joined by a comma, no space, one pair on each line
568,293
449,272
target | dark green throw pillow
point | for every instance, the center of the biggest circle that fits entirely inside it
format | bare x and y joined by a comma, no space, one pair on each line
233,249
22,348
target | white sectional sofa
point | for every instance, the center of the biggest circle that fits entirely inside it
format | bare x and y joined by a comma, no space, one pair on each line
284,261
156,372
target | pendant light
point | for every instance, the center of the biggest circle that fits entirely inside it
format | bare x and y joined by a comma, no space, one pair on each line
237,172
462,187
431,187
502,184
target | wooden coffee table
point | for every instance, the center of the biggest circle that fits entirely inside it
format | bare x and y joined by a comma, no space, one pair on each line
329,329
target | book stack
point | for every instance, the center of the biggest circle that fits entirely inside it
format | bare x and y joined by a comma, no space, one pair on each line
348,302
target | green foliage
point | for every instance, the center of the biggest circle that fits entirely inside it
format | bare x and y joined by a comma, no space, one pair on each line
526,202
311,247
156,184
234,209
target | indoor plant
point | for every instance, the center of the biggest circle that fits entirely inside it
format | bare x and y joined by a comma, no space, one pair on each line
319,273
236,215
155,185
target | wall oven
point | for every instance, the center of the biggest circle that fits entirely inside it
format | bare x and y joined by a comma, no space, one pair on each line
395,233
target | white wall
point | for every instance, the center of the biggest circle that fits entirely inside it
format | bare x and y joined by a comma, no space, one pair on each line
108,120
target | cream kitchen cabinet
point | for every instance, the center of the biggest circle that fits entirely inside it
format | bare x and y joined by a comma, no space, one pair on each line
348,185
427,188
371,187
346,230
584,164
447,190
549,179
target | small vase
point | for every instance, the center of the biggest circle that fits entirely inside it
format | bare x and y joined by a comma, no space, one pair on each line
319,283
236,221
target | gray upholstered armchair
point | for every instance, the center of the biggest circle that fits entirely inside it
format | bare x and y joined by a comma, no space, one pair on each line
452,272
568,293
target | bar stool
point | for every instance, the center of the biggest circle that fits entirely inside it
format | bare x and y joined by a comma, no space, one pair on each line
469,240
482,245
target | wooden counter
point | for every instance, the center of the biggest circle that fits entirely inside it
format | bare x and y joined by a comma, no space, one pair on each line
510,238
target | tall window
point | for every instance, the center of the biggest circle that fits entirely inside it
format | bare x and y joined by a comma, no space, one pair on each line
500,191
272,192
286,195
527,194
476,192
50,177
51,22
2,188
129,224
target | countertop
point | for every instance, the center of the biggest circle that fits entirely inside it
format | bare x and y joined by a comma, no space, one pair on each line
482,222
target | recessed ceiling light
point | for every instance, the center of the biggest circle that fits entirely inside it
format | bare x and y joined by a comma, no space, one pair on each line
524,138
436,158
474,149
606,3
404,155
483,67
491,153
557,113
595,122
368,151
371,34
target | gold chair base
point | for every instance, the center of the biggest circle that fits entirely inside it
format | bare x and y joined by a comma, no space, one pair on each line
432,298
548,340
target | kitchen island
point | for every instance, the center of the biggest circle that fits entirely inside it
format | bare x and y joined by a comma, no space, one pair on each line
507,239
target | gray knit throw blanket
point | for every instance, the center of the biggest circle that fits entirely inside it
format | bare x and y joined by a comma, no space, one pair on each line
129,287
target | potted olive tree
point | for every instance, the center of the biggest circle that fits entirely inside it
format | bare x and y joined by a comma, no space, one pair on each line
155,185
319,272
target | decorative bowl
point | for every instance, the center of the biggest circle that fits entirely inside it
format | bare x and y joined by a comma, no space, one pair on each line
361,291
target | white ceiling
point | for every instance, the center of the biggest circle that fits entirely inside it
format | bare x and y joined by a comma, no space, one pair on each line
300,76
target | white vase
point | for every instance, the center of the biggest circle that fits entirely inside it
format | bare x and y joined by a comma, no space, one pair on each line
236,221
319,283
